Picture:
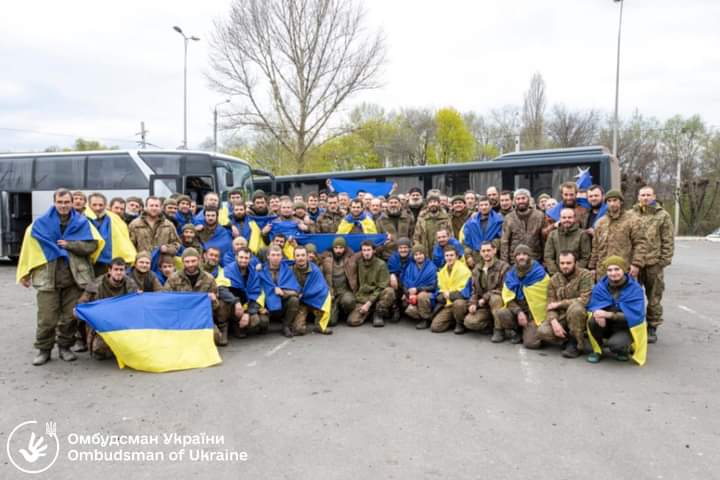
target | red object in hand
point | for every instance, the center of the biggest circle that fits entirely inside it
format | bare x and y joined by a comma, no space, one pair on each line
412,300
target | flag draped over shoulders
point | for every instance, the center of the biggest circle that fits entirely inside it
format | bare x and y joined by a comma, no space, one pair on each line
155,332
316,293
223,217
114,231
285,280
364,221
438,252
40,241
221,239
395,264
457,280
472,234
352,187
631,302
424,276
253,231
250,285
531,288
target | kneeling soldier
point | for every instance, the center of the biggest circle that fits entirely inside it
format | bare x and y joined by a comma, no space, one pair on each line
486,305
454,290
419,283
373,289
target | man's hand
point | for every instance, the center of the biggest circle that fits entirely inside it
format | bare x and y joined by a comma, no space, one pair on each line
26,281
522,319
634,271
212,296
239,311
553,306
163,248
266,229
472,308
600,317
235,231
446,295
199,228
590,231
62,243
393,282
558,329
279,292
481,302
412,291
365,307
302,227
244,320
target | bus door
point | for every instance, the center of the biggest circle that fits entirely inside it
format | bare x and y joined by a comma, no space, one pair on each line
194,186
15,217
537,181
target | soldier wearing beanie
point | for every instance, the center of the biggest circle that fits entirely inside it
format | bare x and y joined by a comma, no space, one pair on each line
339,266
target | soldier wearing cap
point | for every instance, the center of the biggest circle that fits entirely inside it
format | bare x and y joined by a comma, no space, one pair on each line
339,266
459,214
432,219
523,225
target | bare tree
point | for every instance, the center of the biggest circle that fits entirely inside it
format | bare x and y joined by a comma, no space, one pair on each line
568,129
417,130
533,114
293,63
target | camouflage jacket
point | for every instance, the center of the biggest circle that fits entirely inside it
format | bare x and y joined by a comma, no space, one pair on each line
349,264
102,288
621,234
523,229
565,290
488,283
373,278
328,222
179,282
427,226
399,226
658,228
573,239
146,238
458,221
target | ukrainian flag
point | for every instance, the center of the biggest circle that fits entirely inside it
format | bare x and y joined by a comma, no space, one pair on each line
253,231
155,332
631,302
532,288
115,232
365,221
316,293
40,241
458,280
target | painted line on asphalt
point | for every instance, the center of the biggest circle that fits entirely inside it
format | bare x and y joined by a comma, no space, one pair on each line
525,367
277,348
690,310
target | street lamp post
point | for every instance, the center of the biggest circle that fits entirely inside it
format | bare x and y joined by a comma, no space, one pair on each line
215,123
186,39
617,82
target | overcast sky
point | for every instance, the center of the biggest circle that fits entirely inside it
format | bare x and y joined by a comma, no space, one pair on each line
97,68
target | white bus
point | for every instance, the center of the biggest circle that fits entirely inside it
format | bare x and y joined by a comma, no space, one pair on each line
27,181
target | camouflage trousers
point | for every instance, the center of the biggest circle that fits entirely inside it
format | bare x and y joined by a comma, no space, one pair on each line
299,324
383,306
449,314
55,319
228,316
342,304
490,315
287,314
652,278
530,338
573,320
422,310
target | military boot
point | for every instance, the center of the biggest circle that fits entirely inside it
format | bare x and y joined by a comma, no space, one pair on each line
42,357
459,328
222,338
334,314
571,349
286,330
651,334
378,320
423,324
498,336
513,336
66,354
80,346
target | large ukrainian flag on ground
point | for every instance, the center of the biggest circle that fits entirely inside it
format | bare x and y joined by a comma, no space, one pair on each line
40,242
532,288
156,332
632,303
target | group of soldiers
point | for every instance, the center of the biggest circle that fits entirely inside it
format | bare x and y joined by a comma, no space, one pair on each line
531,271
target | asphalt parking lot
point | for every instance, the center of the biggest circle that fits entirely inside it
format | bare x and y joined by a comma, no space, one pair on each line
388,403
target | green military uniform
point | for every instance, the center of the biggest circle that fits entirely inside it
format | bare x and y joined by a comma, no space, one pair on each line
399,226
299,324
372,280
522,228
487,286
329,221
457,221
573,292
619,234
562,239
341,276
146,237
427,227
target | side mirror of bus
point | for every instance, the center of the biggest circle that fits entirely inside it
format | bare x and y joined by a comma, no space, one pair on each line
229,180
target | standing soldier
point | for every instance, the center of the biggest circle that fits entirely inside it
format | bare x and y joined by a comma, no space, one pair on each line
330,219
505,205
569,237
340,269
56,259
568,194
150,230
486,304
396,223
483,226
522,226
373,292
459,214
433,219
658,228
619,233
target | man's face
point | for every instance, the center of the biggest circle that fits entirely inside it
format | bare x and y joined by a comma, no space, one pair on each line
274,258
260,204
78,202
550,203
568,196
646,196
238,243
458,206
300,212
212,257
595,197
312,203
193,207
332,204
492,194
419,257
367,252
190,264
171,210
298,198
356,209
279,240
339,250
97,205
487,252
239,210
153,207
168,269
415,198
117,273
274,204
212,201
567,264
188,236
484,207
433,205
118,208
376,206
403,250
142,264
301,257
450,257
542,202
367,201
323,197
567,217
442,237
210,218
133,207
243,259
444,201
614,204
286,209
184,207
614,273
236,198
506,202
470,200
394,206
344,200
522,202
522,259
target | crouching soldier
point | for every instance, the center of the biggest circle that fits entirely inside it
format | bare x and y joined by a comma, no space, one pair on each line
419,283
525,296
486,310
568,295
454,290
373,292
340,270
193,279
144,278
314,291
617,305
242,296
281,290
114,283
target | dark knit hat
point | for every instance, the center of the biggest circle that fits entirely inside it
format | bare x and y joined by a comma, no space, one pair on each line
339,242
615,194
521,249
404,241
190,252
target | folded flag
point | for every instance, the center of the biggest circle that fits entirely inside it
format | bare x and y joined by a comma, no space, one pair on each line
352,187
532,288
473,235
631,302
365,222
155,332
40,246
584,179
114,231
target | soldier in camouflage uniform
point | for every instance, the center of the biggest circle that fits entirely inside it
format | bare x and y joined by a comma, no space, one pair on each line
568,295
396,223
568,237
330,219
151,230
429,222
658,228
485,310
522,226
373,292
339,266
459,214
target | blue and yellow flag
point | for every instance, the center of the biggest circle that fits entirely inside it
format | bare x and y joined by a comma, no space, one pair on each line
438,253
218,274
364,221
472,234
424,276
323,241
221,239
395,263
249,286
40,241
316,293
285,280
155,332
531,288
631,302
115,232
253,231
458,280
353,187
223,217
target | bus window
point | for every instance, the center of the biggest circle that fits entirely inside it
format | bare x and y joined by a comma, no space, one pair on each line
15,174
561,175
481,180
59,172
242,177
197,164
163,163
114,172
